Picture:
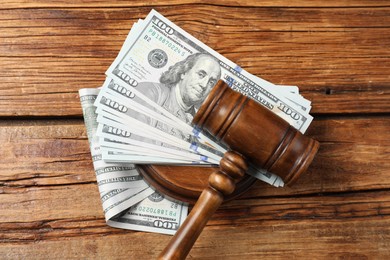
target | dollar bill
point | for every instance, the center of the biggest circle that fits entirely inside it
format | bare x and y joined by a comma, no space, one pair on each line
140,118
120,185
117,117
131,131
154,214
159,44
153,46
107,174
125,156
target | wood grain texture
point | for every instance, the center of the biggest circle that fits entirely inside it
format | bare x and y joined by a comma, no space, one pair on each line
339,57
348,226
335,51
41,153
63,218
8,4
46,153
334,240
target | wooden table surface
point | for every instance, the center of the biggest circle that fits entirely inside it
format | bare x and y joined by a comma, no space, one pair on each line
337,52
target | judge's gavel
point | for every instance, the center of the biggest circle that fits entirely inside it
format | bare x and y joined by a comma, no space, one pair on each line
254,135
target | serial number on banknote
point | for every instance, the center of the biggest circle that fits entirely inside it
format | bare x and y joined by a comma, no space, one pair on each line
161,212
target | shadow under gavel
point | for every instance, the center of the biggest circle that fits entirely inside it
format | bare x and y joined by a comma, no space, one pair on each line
254,135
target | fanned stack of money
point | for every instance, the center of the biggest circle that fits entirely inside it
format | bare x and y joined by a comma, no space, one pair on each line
128,202
142,115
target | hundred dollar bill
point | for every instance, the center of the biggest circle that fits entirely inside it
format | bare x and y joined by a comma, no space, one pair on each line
116,120
141,134
265,176
137,132
120,185
142,118
115,138
146,57
133,187
126,92
136,100
121,201
154,214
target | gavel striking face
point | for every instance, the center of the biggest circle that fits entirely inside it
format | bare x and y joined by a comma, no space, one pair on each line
255,135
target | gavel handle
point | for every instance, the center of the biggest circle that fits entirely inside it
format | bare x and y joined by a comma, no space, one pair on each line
221,183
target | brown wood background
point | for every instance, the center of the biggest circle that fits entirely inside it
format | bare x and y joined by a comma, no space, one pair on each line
337,52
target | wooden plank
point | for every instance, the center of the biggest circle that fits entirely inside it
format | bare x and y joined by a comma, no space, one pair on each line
48,54
353,156
8,4
53,84
302,240
336,51
50,202
258,19
320,227
259,246
44,153
100,28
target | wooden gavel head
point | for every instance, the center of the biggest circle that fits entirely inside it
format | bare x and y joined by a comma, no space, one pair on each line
255,135
263,138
